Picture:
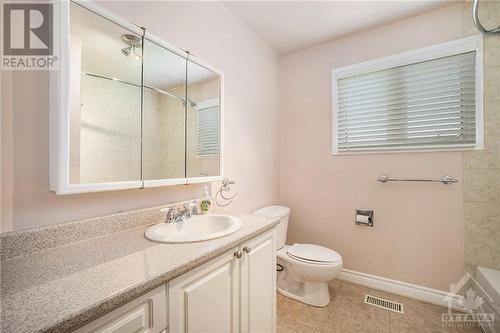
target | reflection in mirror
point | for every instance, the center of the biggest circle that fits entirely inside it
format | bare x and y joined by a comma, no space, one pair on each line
163,113
203,122
105,95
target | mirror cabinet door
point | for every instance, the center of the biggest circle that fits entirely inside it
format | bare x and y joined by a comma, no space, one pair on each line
139,114
105,100
203,122
164,96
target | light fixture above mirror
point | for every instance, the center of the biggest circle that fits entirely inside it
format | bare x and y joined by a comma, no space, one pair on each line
132,42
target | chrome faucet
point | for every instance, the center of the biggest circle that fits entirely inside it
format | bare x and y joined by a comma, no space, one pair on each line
180,215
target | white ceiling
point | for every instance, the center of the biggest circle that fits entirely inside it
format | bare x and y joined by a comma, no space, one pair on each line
289,26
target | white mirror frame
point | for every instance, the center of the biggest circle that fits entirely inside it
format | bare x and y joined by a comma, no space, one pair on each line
59,150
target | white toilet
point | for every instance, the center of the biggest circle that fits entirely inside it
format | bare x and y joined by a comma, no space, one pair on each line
303,269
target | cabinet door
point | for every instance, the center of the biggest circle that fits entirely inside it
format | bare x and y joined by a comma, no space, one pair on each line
98,128
204,120
163,116
205,299
146,314
258,285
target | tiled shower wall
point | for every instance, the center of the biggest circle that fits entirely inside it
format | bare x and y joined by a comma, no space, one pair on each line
482,168
109,141
163,131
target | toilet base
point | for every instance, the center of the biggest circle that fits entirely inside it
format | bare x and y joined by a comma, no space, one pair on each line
312,293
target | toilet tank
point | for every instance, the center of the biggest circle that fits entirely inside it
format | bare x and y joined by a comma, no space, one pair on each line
283,214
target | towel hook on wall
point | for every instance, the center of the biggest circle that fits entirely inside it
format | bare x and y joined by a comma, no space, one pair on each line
477,23
227,200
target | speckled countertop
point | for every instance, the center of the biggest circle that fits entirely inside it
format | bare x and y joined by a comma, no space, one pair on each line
61,288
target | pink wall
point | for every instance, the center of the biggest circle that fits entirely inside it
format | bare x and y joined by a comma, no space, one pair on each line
211,32
418,232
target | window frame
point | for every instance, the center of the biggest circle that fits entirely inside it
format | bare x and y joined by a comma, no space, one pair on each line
469,44
202,106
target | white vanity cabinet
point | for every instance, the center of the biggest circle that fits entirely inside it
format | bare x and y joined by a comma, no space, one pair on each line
258,285
145,314
206,298
235,292
232,293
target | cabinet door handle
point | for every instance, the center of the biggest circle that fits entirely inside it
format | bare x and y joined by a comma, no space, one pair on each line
238,254
247,249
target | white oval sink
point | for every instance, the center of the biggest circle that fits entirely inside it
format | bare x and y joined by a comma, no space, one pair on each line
195,229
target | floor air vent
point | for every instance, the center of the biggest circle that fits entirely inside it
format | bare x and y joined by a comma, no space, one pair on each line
384,304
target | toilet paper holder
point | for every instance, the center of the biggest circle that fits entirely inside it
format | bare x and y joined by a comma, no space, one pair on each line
364,217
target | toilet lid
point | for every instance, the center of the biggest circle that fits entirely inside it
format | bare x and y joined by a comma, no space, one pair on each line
312,252
273,211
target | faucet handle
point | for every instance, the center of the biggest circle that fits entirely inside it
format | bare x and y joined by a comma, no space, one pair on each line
189,208
170,214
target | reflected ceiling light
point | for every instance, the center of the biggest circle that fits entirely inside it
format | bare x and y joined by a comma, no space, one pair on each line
132,42
126,51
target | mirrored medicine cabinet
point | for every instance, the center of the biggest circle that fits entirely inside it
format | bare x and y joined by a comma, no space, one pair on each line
129,110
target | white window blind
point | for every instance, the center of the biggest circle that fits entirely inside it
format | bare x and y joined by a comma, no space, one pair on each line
207,123
423,105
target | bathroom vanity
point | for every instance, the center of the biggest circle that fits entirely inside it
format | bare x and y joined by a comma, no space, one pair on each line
233,293
214,297
80,277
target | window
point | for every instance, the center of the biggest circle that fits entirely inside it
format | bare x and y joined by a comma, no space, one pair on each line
423,100
207,125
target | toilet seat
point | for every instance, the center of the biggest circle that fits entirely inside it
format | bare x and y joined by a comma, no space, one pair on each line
307,280
313,254
305,268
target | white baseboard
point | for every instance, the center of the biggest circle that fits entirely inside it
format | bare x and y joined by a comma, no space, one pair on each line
409,290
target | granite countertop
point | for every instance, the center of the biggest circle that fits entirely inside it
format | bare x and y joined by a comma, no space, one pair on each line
62,288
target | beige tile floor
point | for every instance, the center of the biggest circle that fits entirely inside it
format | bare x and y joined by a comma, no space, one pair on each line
347,313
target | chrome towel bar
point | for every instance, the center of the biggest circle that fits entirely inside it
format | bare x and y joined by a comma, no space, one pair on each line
445,180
